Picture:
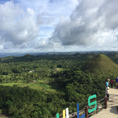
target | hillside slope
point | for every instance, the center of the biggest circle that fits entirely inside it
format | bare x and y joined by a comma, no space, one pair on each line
101,63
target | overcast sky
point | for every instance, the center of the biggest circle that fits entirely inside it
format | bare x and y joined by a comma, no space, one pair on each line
58,25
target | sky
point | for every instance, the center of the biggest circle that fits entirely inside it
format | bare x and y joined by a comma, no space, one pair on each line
58,25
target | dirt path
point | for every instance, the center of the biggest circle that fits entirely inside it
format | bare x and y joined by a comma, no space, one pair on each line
111,111
3,116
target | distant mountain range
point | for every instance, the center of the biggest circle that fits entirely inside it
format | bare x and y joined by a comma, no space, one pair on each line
57,53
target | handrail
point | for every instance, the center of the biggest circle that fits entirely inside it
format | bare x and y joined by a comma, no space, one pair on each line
101,105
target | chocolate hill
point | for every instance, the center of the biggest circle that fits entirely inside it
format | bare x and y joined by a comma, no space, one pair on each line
100,63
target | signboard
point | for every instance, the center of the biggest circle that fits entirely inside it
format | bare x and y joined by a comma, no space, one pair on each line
93,103
91,109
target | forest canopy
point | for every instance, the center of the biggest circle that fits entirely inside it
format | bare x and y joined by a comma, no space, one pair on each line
40,86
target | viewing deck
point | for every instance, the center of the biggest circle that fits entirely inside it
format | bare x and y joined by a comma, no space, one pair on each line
112,108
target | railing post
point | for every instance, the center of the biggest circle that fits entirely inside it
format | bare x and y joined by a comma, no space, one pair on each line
86,112
105,102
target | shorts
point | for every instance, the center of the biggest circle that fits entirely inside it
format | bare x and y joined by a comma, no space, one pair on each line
108,95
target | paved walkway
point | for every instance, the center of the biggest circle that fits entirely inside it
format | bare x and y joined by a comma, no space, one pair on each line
111,111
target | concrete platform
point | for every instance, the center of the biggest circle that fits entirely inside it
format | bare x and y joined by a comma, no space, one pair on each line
111,111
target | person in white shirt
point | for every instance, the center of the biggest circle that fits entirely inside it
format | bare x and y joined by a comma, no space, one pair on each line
107,92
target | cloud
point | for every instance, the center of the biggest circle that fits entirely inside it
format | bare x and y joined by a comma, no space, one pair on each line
16,25
28,24
92,24
54,25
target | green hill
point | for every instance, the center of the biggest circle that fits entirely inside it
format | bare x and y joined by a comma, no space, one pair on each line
101,63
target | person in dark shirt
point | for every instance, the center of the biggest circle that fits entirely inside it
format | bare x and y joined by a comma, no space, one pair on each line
111,83
117,82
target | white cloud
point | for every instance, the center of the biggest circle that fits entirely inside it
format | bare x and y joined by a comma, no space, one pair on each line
27,25
91,25
16,25
23,23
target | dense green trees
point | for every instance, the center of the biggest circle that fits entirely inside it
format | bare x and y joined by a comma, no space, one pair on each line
24,102
59,82
78,85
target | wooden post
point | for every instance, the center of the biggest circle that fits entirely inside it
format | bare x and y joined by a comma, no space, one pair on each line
86,112
97,110
105,102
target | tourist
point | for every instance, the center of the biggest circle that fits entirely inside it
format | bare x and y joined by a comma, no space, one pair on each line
111,83
107,93
107,83
117,82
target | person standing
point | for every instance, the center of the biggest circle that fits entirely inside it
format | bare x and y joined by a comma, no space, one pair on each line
107,93
117,82
107,83
111,83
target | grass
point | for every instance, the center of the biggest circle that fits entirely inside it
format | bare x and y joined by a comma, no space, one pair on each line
39,85
101,63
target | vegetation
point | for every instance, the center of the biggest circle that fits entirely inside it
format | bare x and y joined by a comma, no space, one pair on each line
40,86
101,64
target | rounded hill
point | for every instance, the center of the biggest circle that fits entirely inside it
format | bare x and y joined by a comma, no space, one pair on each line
100,63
